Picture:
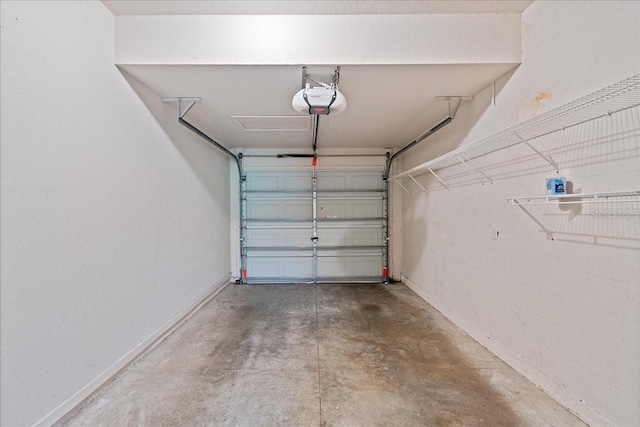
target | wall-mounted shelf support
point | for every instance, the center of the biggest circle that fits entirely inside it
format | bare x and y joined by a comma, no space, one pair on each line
475,169
438,178
530,215
571,199
191,101
453,110
418,184
454,103
547,159
422,187
402,186
493,93
600,104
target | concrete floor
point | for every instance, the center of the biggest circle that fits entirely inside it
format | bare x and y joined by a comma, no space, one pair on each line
326,355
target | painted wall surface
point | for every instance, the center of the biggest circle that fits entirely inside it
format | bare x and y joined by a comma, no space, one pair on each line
319,39
566,313
111,224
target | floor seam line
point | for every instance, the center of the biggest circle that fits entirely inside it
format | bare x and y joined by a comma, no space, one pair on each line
318,356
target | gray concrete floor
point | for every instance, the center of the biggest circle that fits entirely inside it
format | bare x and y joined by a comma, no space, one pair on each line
325,355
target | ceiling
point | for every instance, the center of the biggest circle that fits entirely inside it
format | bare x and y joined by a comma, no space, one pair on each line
387,105
318,7
249,106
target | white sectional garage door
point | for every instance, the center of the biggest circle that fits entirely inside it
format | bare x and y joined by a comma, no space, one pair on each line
281,219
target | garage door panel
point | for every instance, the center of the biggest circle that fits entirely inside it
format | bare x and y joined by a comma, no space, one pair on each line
279,209
296,182
296,210
262,182
365,209
369,237
297,238
279,226
368,181
263,238
279,266
278,181
264,210
349,237
298,268
267,267
278,238
349,266
364,266
333,237
349,180
349,209
332,210
334,267
327,181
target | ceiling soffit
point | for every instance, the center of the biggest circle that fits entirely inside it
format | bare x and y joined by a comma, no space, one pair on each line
326,7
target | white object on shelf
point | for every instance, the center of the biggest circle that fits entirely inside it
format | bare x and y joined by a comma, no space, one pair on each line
556,185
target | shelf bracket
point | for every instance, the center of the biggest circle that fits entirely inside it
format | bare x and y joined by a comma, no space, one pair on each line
545,158
402,186
438,178
418,184
545,229
578,198
472,170
493,93
454,110
191,101
477,168
304,77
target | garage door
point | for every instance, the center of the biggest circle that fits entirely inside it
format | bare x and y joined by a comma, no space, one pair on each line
309,227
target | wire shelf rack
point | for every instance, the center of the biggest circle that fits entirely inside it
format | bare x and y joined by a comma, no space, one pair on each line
569,199
605,102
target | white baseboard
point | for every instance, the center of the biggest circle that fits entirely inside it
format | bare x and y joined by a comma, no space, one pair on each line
539,379
78,399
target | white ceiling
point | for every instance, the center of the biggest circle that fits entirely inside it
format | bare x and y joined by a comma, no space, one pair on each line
318,7
387,105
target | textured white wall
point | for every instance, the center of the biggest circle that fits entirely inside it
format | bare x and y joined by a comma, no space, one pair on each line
110,227
315,39
566,313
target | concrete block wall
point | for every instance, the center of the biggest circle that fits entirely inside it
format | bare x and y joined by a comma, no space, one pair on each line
565,313
111,223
